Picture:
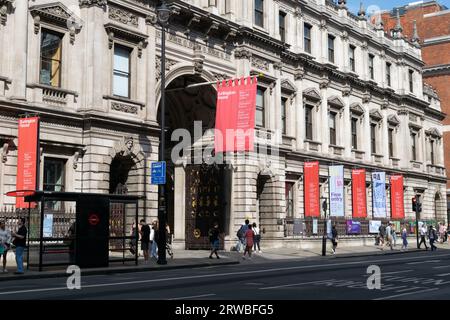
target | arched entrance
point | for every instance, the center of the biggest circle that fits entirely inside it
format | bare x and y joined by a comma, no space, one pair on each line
195,191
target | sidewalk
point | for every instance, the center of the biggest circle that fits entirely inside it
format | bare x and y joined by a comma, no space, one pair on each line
199,258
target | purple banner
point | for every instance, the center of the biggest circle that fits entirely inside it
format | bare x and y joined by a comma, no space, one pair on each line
353,227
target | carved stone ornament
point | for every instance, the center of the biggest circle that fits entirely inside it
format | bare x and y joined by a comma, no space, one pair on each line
357,109
336,102
312,94
56,14
346,90
278,65
116,32
261,64
90,3
364,45
220,76
151,18
169,64
323,24
299,73
366,97
6,7
123,16
344,35
288,86
392,119
298,12
243,54
122,107
5,148
76,157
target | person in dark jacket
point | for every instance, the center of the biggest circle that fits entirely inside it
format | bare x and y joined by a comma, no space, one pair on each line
20,241
432,235
334,238
214,240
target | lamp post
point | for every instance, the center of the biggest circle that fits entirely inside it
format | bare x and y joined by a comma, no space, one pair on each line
163,13
324,238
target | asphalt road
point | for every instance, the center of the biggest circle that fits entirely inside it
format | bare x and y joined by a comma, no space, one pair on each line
418,275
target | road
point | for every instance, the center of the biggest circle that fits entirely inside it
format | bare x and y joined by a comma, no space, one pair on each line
418,275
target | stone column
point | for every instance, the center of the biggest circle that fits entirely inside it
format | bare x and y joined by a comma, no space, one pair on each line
346,129
19,45
365,138
298,42
344,39
404,145
385,136
321,125
152,75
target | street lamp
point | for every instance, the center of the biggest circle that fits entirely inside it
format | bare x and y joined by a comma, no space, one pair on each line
324,237
163,15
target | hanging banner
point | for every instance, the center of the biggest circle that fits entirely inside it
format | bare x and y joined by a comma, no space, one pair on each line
27,157
336,187
379,194
359,198
311,186
235,115
397,202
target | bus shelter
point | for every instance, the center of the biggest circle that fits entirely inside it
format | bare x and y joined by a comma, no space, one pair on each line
84,229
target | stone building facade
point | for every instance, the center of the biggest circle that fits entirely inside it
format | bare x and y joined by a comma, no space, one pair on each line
331,87
428,25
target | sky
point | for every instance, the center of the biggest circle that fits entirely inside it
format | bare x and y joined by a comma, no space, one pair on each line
353,5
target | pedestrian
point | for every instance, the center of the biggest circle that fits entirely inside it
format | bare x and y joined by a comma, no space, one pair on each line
334,238
241,236
5,243
154,239
70,241
441,232
404,238
20,240
145,239
133,239
389,235
169,241
214,240
423,233
394,235
249,235
445,233
432,235
257,238
381,235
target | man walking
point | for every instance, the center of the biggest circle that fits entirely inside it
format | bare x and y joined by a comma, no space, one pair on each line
432,235
382,234
423,233
334,238
389,235
241,235
20,240
145,239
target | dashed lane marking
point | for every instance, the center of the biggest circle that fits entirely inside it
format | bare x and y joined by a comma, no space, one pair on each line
406,294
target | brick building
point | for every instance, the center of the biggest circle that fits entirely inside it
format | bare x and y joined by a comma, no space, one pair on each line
432,33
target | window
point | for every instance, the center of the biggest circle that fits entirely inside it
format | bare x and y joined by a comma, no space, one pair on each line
331,49
50,71
121,81
332,126
373,138
282,25
371,58
413,146
388,74
391,142
410,79
307,37
259,122
283,115
289,191
309,122
432,151
351,55
54,179
259,13
354,133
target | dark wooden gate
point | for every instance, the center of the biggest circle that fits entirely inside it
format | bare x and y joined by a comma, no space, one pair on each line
204,204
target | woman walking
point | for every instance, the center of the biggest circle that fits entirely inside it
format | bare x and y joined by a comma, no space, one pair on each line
249,235
214,240
5,243
334,238
404,238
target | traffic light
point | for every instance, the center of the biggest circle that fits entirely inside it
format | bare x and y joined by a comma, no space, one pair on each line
419,207
414,204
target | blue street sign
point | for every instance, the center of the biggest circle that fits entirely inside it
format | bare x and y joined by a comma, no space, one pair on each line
158,173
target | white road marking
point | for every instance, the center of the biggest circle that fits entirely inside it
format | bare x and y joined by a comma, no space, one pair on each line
425,261
441,267
406,294
252,272
443,274
293,284
395,272
409,289
192,297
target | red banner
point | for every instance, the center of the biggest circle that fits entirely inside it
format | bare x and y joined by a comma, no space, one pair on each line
359,202
235,115
27,157
311,185
397,202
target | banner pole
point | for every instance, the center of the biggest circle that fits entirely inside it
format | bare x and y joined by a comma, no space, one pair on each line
201,84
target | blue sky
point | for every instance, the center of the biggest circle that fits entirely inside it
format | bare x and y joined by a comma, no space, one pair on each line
353,5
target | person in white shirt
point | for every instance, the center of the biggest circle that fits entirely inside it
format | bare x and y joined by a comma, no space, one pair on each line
423,233
5,243
257,237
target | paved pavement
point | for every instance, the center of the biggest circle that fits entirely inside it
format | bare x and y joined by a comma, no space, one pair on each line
413,275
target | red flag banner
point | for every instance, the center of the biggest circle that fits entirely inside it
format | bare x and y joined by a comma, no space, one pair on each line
311,185
27,157
397,202
359,202
235,115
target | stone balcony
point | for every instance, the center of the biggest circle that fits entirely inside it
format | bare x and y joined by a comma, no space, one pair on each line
288,142
394,162
311,145
416,165
358,154
336,150
123,106
377,158
436,169
52,96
